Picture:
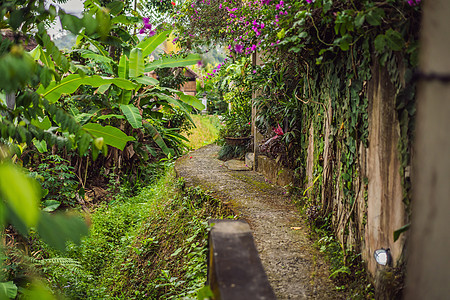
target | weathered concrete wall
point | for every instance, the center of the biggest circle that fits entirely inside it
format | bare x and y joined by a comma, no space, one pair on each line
370,221
386,210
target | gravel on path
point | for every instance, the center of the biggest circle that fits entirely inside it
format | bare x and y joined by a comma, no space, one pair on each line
296,270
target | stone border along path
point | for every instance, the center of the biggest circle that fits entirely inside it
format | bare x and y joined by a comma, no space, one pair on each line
294,267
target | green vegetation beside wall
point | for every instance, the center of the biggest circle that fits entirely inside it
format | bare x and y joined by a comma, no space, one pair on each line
151,246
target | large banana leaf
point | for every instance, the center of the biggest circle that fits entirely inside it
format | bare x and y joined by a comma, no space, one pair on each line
173,101
172,62
72,82
191,100
111,135
136,63
96,44
123,67
132,114
125,97
149,44
94,56
147,80
39,54
158,139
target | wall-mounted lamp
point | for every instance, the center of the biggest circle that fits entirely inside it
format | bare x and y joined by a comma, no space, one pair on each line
383,256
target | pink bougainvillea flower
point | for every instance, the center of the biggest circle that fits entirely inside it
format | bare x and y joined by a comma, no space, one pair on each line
199,63
151,33
145,20
309,1
220,5
148,26
253,47
142,31
238,48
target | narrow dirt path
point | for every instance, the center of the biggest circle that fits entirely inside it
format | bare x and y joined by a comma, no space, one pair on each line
294,267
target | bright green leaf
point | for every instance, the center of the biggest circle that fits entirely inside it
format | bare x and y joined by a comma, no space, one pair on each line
136,65
41,146
147,80
111,135
21,192
72,82
105,117
8,290
42,123
132,114
103,88
50,205
149,44
123,67
171,62
191,100
125,97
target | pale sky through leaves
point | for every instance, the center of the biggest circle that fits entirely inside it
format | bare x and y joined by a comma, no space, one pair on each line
74,7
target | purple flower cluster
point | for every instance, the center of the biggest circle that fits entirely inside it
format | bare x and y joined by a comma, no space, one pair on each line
215,70
147,27
413,2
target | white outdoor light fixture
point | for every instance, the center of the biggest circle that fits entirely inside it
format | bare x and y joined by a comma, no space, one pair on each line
383,256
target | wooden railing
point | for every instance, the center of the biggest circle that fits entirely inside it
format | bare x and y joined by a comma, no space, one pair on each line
234,268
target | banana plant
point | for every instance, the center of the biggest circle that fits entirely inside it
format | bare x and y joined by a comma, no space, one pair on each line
129,78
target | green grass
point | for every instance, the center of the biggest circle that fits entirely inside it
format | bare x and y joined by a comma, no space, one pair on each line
151,246
206,131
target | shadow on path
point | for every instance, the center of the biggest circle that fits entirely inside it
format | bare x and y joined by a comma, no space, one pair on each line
294,267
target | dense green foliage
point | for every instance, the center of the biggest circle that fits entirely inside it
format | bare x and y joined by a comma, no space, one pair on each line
61,110
151,246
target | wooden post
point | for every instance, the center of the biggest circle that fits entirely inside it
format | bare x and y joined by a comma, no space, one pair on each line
257,137
428,270
235,271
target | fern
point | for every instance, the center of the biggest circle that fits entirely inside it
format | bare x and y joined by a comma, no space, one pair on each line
56,263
